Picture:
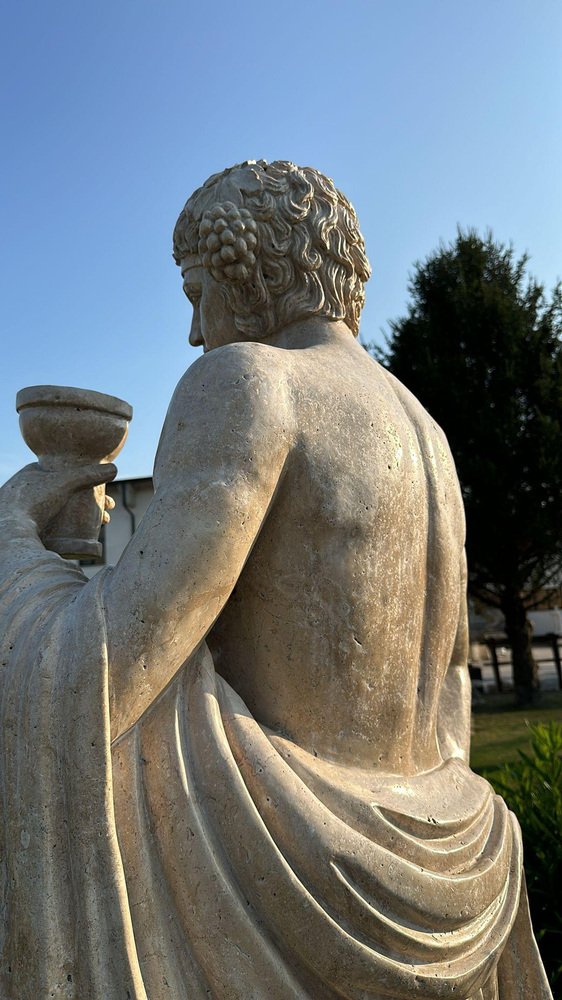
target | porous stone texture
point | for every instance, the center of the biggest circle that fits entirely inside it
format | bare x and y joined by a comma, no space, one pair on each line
236,765
66,427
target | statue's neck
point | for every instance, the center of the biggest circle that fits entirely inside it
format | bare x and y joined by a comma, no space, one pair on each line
308,332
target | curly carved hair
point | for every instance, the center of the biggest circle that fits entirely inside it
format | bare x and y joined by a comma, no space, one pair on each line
281,240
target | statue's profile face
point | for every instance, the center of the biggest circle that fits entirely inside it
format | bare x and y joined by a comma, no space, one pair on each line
213,323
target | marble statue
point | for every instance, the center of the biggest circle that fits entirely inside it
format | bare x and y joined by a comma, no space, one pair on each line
236,764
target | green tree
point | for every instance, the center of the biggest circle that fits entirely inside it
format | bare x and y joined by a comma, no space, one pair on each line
481,348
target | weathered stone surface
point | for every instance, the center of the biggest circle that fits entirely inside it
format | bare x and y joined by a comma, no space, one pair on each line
66,427
237,764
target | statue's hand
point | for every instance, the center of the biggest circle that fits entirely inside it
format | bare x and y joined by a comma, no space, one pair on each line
39,495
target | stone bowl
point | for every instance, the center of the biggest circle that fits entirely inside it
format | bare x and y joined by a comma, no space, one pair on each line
67,428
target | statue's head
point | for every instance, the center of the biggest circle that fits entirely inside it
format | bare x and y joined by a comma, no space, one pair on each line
281,241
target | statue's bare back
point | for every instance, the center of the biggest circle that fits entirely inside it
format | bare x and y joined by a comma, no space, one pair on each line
366,527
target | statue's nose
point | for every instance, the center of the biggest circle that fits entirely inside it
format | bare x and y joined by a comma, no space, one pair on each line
195,337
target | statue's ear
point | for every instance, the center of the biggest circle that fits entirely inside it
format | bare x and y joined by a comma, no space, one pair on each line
228,238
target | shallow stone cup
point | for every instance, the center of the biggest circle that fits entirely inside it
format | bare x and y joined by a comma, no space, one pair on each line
68,427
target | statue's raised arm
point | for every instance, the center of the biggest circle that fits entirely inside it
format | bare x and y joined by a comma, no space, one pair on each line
222,456
235,765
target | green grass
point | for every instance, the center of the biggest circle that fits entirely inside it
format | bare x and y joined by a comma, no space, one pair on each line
499,730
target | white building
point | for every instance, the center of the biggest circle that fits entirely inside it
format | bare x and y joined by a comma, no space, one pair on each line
132,497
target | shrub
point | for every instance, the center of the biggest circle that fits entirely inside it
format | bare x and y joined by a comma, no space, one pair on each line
532,788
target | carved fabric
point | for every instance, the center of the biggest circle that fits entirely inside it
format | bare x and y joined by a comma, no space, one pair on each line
66,928
204,857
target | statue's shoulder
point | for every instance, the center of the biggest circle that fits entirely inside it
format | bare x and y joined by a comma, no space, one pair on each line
229,402
250,379
251,355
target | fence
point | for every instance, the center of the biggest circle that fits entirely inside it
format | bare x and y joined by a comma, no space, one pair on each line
551,642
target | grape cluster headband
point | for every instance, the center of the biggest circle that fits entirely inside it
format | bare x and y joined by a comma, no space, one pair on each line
228,237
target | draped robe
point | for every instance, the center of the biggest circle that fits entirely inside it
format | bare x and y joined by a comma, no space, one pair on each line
204,856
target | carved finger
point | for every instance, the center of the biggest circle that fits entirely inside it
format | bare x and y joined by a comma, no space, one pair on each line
92,475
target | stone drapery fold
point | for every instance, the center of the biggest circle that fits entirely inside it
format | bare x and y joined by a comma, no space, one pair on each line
66,927
202,856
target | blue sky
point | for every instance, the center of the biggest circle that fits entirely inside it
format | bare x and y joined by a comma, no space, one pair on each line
427,113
